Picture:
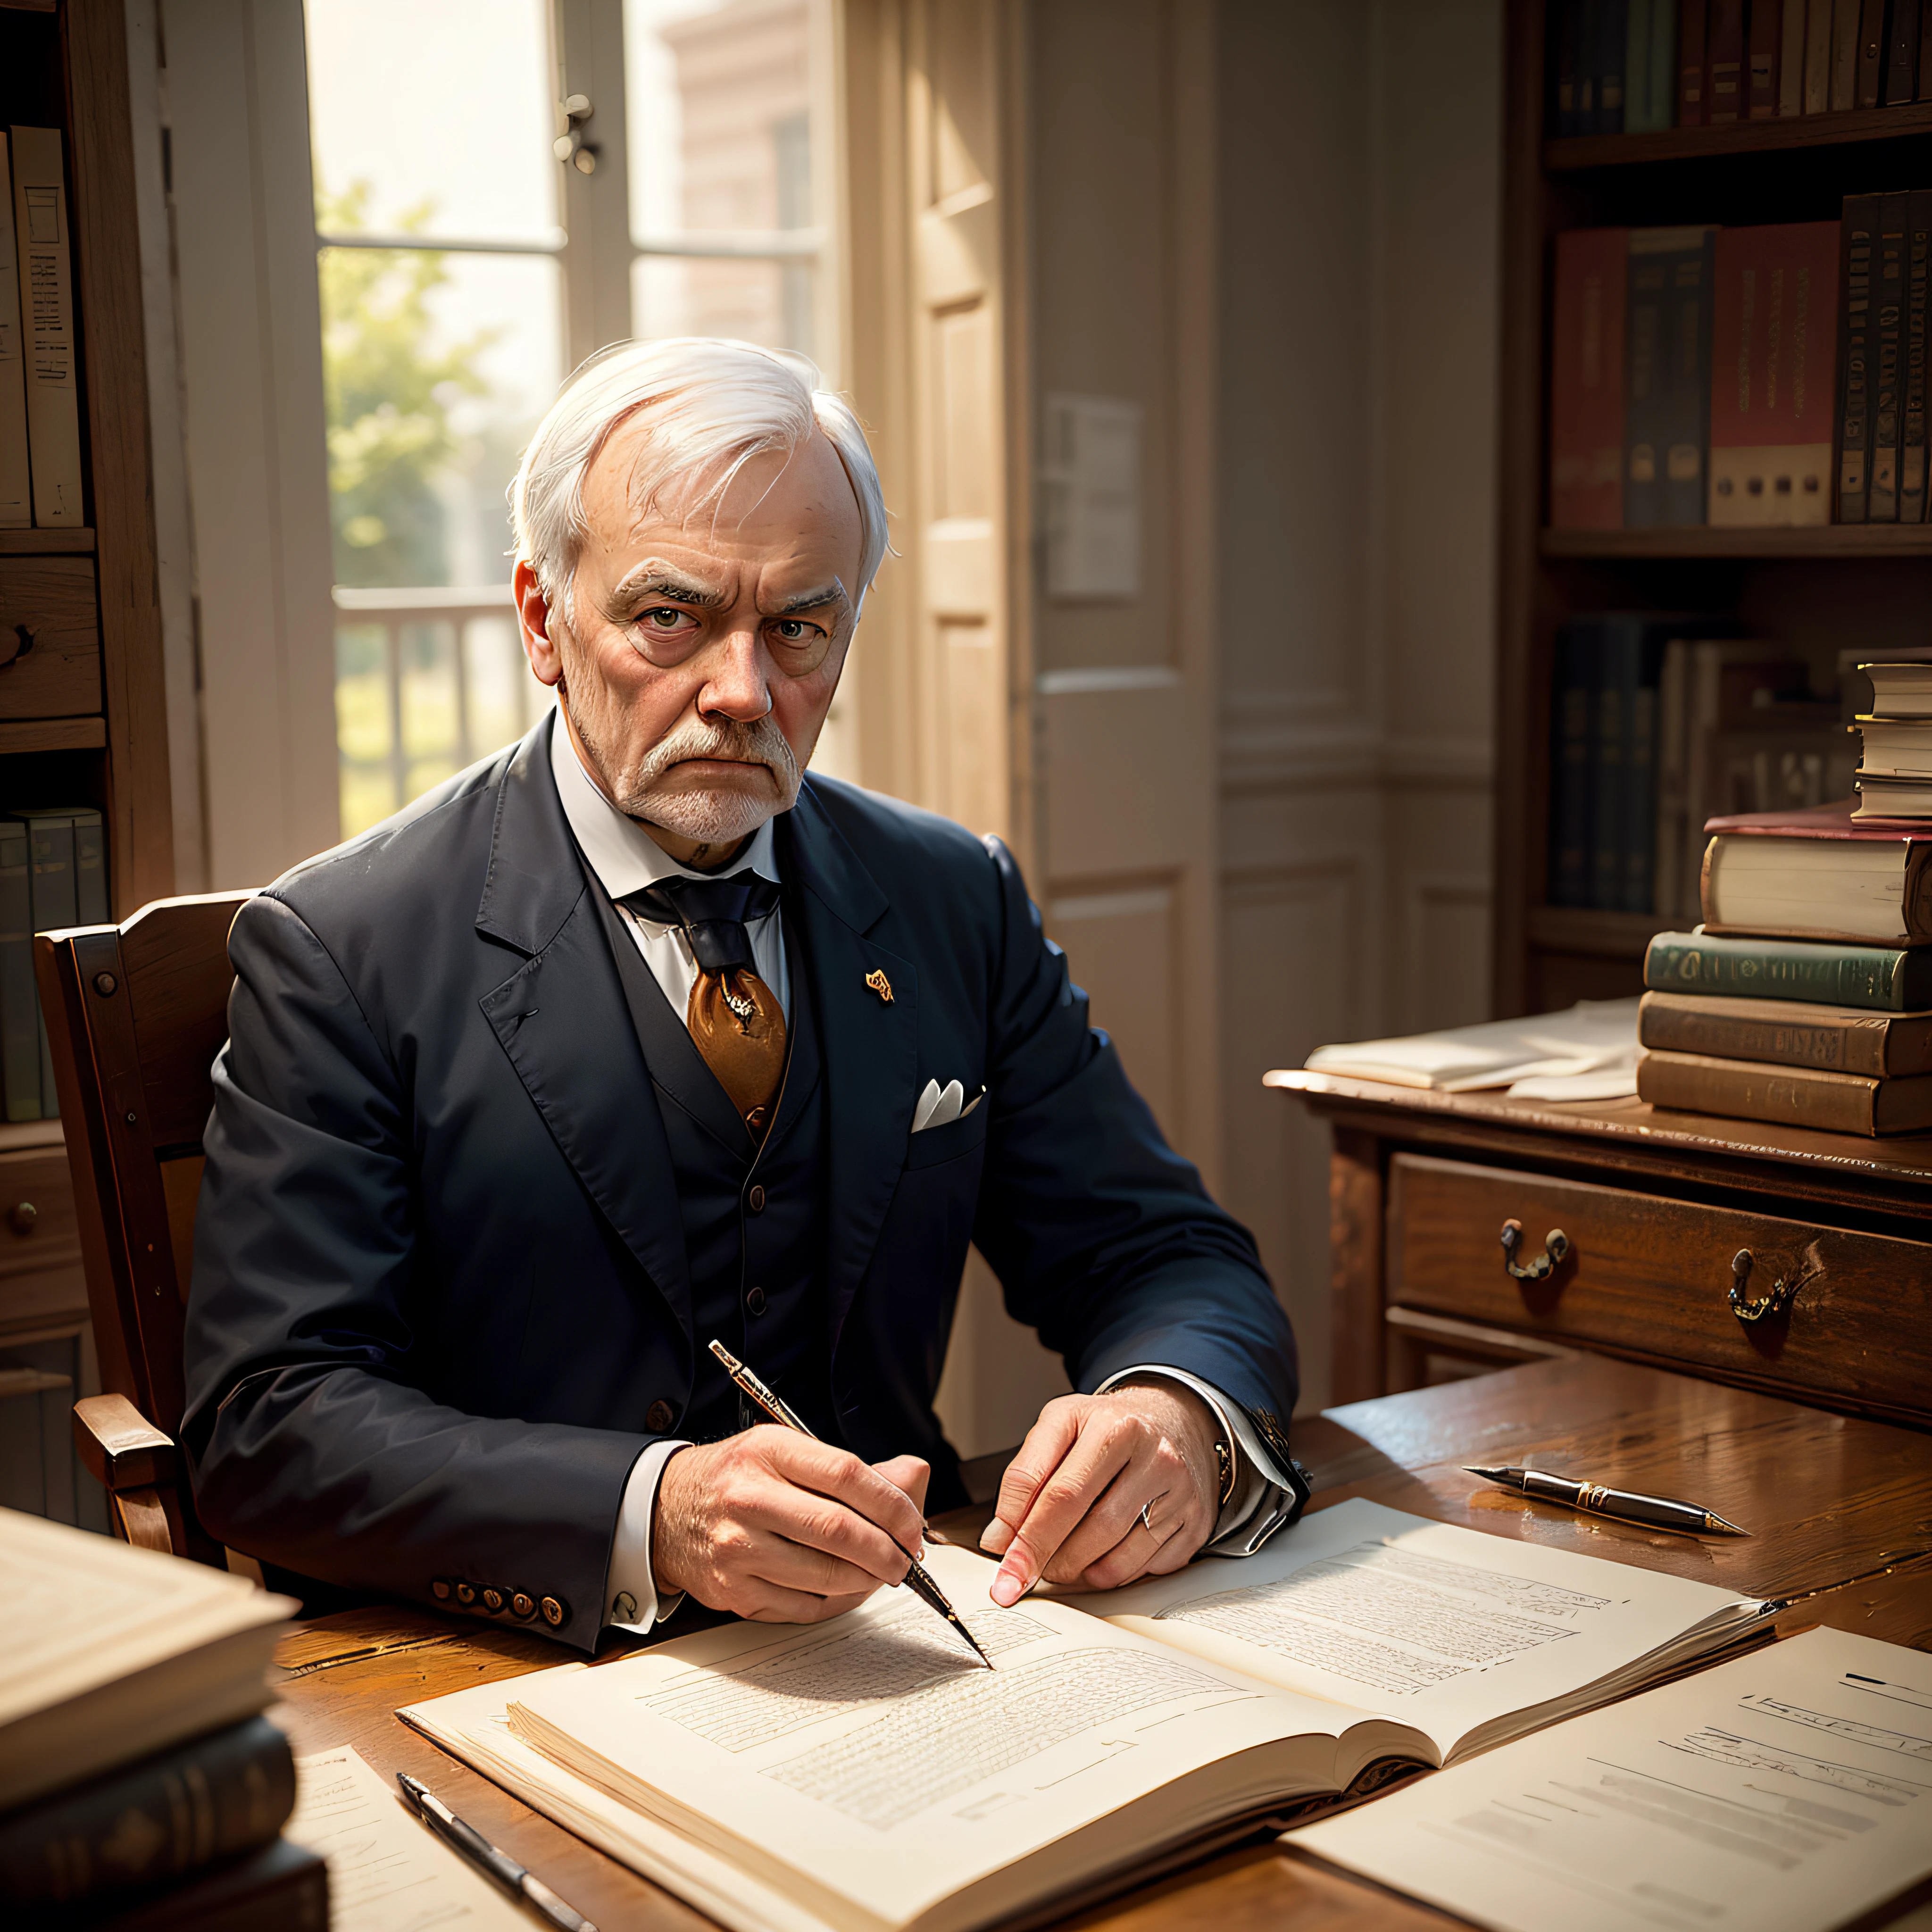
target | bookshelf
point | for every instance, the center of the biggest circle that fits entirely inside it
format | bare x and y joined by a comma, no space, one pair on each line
1814,589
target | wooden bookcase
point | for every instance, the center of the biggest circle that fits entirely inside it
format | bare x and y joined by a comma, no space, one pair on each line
1814,590
65,65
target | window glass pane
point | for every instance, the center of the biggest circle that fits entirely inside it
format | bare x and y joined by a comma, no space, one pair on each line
435,367
434,115
766,302
718,101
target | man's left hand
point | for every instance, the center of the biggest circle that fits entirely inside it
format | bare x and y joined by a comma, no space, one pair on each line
1071,1502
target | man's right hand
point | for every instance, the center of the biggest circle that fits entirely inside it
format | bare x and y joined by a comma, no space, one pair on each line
773,1525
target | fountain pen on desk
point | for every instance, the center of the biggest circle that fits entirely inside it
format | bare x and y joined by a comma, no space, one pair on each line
472,1845
916,1580
1623,1505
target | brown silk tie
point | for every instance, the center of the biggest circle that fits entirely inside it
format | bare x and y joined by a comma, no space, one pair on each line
735,1019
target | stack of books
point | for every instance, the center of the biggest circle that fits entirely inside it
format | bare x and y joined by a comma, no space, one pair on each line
141,1789
1895,775
1805,997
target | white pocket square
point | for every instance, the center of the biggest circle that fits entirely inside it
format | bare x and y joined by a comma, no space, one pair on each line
940,1106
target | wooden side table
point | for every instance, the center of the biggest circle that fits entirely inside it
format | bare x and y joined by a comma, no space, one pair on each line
1473,1229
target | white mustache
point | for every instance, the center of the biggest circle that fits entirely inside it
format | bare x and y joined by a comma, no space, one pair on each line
761,743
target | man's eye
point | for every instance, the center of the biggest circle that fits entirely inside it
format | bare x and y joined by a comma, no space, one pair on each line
664,617
795,630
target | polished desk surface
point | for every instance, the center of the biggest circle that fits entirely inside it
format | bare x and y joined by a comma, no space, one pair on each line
1836,1505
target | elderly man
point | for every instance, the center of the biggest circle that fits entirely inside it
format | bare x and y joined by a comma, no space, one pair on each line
632,1037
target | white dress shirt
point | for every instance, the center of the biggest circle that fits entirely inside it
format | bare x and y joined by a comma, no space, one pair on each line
625,858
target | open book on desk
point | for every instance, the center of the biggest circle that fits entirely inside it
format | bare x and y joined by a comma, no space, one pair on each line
867,1774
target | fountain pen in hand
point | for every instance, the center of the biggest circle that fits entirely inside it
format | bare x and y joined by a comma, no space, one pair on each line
1624,1505
916,1578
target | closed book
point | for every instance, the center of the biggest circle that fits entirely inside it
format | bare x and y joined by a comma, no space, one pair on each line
1896,748
1612,30
1817,56
1901,57
1884,796
1692,92
1787,1033
51,883
1639,116
1912,430
1791,60
1667,368
46,317
1790,1096
1569,59
1572,703
281,1888
1617,672
20,1005
16,503
1871,52
1887,357
1902,689
1586,389
1818,875
1881,979
1662,85
1858,237
1845,17
1764,38
90,868
154,1823
1775,306
1724,60
1925,52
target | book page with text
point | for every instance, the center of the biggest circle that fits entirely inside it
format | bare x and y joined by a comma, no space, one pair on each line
871,1761
1443,1628
1788,1791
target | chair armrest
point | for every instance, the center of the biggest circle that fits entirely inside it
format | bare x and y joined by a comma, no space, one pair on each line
121,1448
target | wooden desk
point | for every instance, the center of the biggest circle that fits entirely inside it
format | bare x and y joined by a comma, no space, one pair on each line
1659,1211
1830,1497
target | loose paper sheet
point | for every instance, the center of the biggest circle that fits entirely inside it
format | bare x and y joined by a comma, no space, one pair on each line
387,1871
1790,1791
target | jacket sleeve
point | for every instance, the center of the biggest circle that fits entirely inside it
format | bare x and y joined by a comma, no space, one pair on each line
1104,1239
310,1445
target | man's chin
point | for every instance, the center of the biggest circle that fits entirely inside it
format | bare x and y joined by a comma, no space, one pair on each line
715,814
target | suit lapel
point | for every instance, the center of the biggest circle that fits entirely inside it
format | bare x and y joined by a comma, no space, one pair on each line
868,1047
563,1022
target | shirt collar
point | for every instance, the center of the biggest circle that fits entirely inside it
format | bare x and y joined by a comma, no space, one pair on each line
624,856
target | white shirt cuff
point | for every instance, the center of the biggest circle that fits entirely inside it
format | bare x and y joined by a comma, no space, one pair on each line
632,1604
1264,1493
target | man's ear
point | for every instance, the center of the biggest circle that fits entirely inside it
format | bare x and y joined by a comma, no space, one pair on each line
534,623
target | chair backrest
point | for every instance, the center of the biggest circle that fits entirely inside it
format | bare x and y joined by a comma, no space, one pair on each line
135,1016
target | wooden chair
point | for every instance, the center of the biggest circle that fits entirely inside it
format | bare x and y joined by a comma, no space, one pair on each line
135,1016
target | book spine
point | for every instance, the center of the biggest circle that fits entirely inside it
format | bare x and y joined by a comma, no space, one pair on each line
1571,706
1843,1043
1845,14
1901,59
17,502
1911,433
1925,53
165,1818
1637,107
1871,53
1639,839
1569,53
1672,747
1609,768
46,312
1765,36
1817,56
50,880
90,869
1663,82
1724,60
1613,25
1888,345
1876,979
1791,61
1681,427
1858,240
19,1010
1586,400
1788,1096
1693,94
282,1886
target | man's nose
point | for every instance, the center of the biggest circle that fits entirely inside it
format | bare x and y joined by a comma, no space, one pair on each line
736,687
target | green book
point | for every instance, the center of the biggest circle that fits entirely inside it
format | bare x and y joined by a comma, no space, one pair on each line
1882,979
19,1011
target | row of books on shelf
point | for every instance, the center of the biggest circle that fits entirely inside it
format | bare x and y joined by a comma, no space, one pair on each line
1759,375
39,390
53,873
1633,66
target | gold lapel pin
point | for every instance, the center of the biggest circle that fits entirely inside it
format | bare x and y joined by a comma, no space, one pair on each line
881,985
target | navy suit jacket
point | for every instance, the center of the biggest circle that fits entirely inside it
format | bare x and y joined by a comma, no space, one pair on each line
440,1301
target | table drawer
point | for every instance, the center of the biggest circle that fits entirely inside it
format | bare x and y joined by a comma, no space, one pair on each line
39,1228
49,638
1654,1276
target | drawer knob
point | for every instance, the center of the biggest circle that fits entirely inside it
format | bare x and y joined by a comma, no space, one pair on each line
1783,1291
23,642
21,1216
1556,1246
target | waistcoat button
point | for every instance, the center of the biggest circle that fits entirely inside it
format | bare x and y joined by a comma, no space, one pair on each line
755,1200
659,1417
755,1301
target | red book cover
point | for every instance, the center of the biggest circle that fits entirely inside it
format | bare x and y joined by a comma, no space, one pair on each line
1690,76
1820,821
1724,60
1586,380
1773,356
1767,28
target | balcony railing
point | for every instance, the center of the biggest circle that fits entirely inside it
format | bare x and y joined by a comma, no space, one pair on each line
426,682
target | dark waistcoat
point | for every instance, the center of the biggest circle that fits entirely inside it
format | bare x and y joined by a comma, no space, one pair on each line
753,1216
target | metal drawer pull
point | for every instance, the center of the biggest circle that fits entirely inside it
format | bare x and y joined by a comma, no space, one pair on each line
1556,1246
1783,1294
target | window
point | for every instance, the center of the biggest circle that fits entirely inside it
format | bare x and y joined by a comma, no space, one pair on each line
452,159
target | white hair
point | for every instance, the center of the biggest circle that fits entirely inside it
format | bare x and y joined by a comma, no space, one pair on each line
714,404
